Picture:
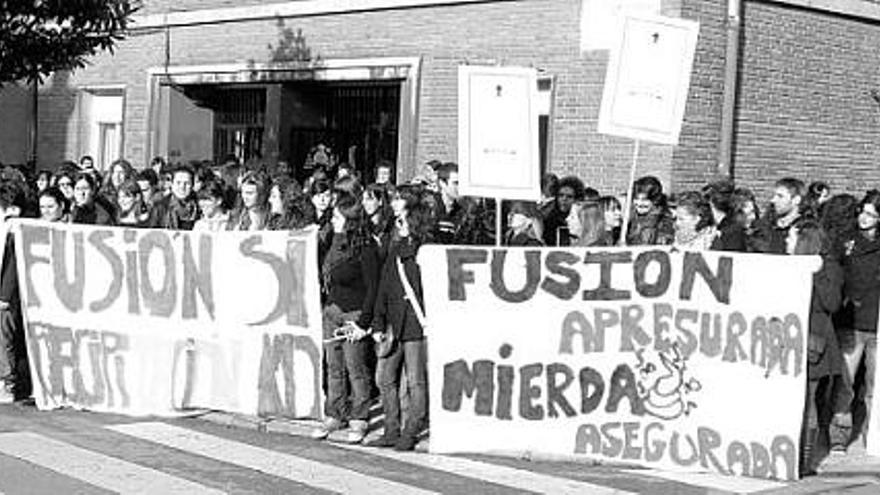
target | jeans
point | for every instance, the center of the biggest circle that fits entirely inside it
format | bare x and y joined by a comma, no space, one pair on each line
412,356
349,358
855,345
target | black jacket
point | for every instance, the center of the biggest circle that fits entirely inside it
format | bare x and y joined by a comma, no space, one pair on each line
393,311
352,279
731,236
861,286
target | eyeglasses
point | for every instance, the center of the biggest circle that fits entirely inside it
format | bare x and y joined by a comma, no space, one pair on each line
65,184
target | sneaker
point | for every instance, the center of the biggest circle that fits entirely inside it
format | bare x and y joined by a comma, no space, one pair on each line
6,395
384,441
357,430
329,426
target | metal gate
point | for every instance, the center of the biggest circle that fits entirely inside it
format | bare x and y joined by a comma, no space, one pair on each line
239,124
361,125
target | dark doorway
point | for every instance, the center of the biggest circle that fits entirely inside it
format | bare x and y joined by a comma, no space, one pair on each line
357,120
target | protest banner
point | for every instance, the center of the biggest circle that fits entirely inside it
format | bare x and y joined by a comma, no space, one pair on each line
673,360
154,321
498,151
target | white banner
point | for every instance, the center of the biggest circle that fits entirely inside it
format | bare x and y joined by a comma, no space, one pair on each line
154,321
649,72
683,361
498,153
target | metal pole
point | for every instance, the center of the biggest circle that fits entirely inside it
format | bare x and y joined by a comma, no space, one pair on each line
731,86
33,131
624,228
498,232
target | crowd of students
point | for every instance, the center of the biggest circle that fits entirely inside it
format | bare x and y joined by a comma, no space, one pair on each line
370,231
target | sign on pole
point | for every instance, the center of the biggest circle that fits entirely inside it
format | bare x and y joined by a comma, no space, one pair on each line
648,76
498,152
600,18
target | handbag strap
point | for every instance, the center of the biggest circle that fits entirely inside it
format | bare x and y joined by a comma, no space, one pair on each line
410,294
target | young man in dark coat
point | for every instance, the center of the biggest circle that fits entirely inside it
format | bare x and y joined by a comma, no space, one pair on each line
180,209
771,230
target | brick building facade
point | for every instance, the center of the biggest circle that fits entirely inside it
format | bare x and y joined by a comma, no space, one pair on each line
806,105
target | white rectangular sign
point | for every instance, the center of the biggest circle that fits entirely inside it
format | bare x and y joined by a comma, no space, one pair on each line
674,360
646,86
154,321
600,19
498,152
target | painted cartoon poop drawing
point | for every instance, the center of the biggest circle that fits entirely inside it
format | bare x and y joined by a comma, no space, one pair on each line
662,385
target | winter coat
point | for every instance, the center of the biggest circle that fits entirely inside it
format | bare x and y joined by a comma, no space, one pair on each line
655,228
861,286
175,214
351,278
554,220
824,355
393,310
768,235
731,236
91,214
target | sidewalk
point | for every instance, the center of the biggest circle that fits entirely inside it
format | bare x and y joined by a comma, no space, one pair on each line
849,474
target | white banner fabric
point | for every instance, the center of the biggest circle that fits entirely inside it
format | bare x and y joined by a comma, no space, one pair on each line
154,321
674,360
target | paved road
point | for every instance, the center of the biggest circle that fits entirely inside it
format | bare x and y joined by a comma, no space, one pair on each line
79,452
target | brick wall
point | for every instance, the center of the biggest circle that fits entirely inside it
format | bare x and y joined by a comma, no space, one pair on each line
539,33
805,108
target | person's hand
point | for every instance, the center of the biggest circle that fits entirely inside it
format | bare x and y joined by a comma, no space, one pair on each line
378,336
357,333
4,305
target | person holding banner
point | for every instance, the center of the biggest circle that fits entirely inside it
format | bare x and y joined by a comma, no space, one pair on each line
613,213
350,274
824,359
858,337
399,324
15,382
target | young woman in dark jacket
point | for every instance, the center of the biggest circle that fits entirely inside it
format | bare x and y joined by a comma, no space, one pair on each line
824,358
396,313
861,290
86,209
350,275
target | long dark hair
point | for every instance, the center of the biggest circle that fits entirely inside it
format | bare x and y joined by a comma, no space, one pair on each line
382,221
420,219
356,229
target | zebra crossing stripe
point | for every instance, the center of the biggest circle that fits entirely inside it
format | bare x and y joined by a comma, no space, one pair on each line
493,473
304,471
736,484
96,469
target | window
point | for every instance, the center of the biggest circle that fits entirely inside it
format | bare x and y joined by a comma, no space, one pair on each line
101,122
